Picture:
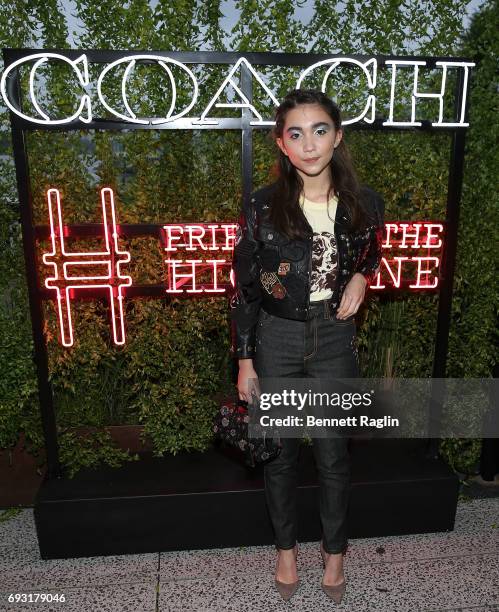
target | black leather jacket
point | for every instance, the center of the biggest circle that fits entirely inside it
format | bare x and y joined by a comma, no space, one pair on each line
273,272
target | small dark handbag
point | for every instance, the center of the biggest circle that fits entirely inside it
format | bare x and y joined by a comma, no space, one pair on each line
230,425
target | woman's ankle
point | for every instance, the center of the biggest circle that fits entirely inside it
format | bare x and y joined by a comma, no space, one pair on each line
286,568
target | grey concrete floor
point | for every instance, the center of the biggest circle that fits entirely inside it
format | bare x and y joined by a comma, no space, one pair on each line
439,571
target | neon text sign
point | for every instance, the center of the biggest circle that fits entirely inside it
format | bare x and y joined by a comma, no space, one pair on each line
199,238
410,238
198,261
368,69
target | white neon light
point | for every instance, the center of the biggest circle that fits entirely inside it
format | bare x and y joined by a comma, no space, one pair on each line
406,234
196,233
419,227
86,258
173,265
430,236
170,238
41,58
213,228
230,236
371,81
466,66
163,61
416,94
132,116
370,67
394,64
245,102
176,278
32,95
396,279
388,229
198,238
421,272
215,263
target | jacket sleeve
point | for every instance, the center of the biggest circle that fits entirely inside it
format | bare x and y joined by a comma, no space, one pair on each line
246,296
369,266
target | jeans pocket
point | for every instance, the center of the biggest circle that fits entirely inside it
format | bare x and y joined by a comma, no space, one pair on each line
264,317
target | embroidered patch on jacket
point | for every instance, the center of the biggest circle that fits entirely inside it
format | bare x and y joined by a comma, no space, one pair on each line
278,291
269,279
284,268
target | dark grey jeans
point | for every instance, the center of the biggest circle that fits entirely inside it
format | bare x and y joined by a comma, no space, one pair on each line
321,347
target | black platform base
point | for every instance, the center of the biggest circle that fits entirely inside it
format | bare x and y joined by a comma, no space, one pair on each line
208,500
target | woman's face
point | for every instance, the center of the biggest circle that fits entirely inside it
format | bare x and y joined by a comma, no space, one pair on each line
309,139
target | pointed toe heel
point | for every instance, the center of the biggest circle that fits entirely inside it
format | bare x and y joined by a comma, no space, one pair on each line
335,592
286,590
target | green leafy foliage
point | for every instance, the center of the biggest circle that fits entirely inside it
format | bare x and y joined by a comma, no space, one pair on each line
176,361
90,450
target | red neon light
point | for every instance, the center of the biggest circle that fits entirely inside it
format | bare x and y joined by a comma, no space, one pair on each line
111,260
176,278
396,276
404,244
407,236
196,237
421,272
205,235
412,231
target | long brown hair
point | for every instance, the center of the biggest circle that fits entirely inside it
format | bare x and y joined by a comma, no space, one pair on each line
286,214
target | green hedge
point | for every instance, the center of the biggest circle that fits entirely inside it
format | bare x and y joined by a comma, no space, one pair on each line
176,361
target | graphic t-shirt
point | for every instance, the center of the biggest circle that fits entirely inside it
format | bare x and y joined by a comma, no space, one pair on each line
324,247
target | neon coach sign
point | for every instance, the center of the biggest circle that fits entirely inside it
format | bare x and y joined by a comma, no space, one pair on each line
197,256
368,68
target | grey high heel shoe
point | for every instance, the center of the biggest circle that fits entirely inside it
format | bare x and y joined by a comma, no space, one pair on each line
337,591
287,589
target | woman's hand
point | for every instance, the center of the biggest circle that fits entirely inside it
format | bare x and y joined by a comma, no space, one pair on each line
246,373
352,297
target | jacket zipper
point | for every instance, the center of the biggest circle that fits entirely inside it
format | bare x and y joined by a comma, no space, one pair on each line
339,278
310,247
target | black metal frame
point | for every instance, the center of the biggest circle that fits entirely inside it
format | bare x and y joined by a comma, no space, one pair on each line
30,233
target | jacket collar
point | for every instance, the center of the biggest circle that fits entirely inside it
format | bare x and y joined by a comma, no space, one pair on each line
341,218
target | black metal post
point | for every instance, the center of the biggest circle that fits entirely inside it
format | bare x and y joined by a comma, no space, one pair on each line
448,265
35,303
247,135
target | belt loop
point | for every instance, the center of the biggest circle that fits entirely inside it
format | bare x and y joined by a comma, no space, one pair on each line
326,310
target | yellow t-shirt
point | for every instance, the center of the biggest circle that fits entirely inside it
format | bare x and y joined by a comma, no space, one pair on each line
324,248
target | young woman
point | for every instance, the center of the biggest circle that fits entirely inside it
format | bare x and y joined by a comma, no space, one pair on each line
306,248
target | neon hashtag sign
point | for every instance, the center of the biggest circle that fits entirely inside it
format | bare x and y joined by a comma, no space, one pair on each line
69,268
412,251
